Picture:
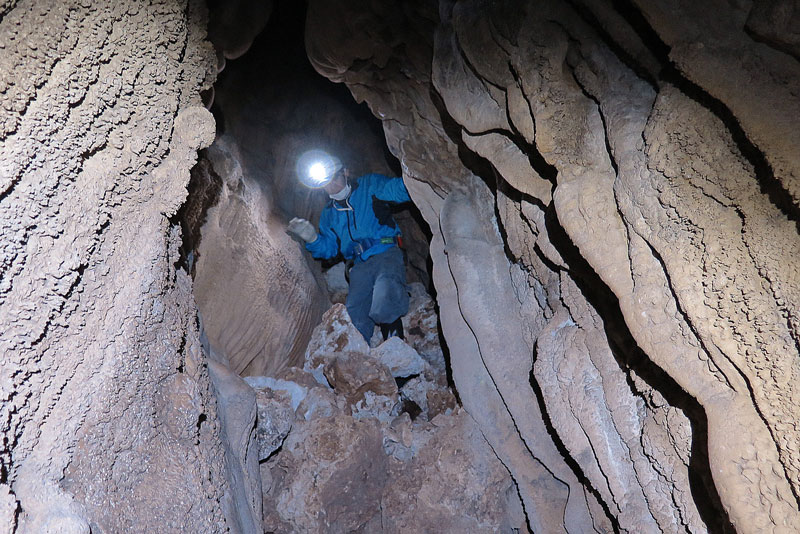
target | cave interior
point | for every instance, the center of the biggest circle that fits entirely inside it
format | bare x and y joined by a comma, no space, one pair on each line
603,332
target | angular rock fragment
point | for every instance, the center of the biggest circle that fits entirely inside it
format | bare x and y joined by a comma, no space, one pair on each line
335,334
329,477
402,360
445,478
430,395
421,327
353,375
274,418
321,402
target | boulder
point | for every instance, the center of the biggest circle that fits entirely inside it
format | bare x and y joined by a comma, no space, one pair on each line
335,334
401,359
273,421
329,477
353,375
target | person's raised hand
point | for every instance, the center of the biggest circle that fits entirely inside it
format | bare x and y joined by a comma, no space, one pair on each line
302,229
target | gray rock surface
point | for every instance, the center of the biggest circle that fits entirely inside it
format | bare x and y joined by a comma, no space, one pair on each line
277,401
107,402
402,360
237,412
615,244
356,461
421,328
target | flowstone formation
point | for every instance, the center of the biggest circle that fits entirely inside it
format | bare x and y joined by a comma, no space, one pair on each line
371,439
109,417
256,293
612,189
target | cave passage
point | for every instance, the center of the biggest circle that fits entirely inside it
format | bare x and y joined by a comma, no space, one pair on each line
602,332
271,107
274,315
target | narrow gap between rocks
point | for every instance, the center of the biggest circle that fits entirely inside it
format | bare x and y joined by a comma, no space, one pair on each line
631,358
276,316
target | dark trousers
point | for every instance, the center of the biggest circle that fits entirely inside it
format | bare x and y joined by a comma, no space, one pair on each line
378,293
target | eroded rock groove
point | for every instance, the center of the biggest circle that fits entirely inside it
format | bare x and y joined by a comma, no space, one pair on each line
609,199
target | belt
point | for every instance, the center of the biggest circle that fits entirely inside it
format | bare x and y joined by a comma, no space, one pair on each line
362,245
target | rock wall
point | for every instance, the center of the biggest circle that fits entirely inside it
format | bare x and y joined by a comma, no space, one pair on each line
257,294
108,415
612,188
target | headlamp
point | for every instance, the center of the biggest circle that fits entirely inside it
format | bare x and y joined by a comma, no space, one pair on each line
316,168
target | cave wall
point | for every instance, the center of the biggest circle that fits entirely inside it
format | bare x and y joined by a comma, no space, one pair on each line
109,417
258,297
612,189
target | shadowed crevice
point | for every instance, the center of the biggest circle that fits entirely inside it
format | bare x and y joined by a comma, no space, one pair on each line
768,183
630,356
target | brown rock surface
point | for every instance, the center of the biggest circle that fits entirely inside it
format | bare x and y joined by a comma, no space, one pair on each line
355,467
258,296
107,403
354,374
421,328
630,241
334,476
335,334
453,483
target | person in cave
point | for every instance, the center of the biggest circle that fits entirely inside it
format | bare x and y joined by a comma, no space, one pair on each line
357,222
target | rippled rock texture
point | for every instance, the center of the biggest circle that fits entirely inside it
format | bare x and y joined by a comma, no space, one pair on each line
257,294
108,414
613,193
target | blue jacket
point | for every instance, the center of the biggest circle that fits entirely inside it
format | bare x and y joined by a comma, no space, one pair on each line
362,220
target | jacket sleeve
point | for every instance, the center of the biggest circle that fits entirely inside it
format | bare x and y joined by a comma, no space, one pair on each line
326,245
388,189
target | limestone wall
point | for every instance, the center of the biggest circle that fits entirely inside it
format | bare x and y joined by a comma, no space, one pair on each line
108,418
612,192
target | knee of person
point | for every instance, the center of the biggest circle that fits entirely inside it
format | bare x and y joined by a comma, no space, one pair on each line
363,324
385,314
389,301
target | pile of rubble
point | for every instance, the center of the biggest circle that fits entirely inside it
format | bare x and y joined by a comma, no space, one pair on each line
368,439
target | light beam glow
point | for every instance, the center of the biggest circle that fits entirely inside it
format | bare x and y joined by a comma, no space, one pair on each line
317,172
315,168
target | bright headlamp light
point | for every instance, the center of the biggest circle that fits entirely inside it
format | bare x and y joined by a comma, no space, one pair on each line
316,168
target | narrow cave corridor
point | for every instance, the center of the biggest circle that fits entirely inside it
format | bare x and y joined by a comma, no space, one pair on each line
602,332
258,293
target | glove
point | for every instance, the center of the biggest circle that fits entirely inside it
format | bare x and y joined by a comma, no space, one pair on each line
302,229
